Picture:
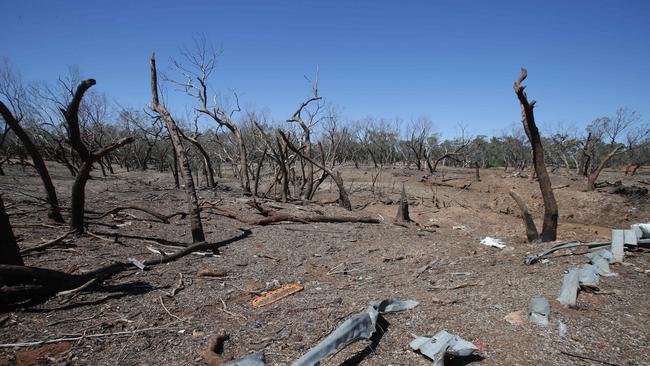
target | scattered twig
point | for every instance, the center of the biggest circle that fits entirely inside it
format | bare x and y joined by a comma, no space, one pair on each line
46,244
225,310
179,286
78,289
99,237
588,358
80,337
454,287
167,310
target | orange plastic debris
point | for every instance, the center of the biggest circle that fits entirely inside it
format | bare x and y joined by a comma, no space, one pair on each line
277,294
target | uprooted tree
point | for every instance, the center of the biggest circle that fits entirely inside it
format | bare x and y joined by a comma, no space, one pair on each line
549,226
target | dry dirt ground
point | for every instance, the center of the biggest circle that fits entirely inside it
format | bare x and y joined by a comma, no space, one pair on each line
468,289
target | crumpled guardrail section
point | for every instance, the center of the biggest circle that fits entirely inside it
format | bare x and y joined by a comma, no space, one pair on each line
359,326
440,344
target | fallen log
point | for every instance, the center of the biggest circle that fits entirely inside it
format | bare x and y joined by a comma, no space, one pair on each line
162,217
283,217
272,217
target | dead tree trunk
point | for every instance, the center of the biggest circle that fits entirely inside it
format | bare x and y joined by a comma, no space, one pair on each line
284,171
591,179
344,199
37,160
88,158
403,209
9,252
206,158
549,227
585,158
531,229
258,171
477,175
309,167
192,199
224,120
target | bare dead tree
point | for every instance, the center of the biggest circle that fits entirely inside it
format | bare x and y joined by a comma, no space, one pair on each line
147,137
549,227
609,129
279,155
344,199
14,93
88,158
585,157
193,208
447,155
207,162
593,175
9,252
306,127
199,63
416,143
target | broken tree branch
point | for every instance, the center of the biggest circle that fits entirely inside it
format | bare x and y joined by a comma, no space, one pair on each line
30,283
531,230
162,217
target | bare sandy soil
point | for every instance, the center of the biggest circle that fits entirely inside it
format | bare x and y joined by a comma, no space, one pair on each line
468,289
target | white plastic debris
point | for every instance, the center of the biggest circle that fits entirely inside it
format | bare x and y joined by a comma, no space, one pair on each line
493,242
562,329
458,227
440,344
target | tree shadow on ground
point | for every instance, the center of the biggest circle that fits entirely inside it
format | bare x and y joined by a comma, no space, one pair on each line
115,292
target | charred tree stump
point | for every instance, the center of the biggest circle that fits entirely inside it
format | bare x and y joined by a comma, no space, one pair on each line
549,227
531,229
403,209
9,252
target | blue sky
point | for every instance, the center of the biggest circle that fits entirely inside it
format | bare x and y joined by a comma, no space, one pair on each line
454,61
